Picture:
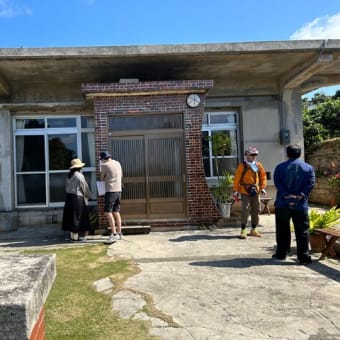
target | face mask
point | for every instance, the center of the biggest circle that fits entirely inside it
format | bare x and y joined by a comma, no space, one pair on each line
253,166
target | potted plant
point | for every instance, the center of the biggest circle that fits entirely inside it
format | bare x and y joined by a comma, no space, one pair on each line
94,219
222,193
321,220
334,183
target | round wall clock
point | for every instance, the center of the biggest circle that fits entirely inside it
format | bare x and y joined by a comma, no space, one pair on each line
193,100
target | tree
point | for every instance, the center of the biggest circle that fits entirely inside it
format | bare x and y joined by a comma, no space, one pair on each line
313,134
319,98
321,123
337,94
327,114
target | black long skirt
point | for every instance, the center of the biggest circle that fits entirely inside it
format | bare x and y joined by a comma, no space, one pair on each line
75,215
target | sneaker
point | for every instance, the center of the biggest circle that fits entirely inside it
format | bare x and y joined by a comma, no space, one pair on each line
120,236
111,239
82,239
243,234
254,233
278,257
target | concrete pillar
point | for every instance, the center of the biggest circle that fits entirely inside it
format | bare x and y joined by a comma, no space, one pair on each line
292,115
8,217
6,168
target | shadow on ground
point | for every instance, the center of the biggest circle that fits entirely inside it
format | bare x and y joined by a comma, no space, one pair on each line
247,262
202,237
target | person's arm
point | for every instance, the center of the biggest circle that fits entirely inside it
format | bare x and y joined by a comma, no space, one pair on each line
103,173
310,182
262,177
237,177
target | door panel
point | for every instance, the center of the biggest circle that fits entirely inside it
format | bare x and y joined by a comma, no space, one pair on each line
130,152
154,178
166,176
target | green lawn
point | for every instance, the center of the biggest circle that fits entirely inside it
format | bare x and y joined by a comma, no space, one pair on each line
74,310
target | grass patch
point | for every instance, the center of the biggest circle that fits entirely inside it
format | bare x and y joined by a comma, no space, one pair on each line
74,310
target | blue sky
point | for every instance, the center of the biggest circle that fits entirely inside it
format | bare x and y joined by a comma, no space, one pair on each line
65,23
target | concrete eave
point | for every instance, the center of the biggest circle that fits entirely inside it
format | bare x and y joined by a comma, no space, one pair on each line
245,68
175,49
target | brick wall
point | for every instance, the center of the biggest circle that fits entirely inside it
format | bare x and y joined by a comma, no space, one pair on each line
160,97
38,331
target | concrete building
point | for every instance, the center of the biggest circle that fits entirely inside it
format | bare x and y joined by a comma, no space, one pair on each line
150,107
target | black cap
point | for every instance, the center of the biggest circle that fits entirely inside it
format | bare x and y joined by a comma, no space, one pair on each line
104,155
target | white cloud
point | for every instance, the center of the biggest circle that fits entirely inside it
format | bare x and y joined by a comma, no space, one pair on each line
9,9
326,27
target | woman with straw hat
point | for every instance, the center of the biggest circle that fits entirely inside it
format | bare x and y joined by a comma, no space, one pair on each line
75,217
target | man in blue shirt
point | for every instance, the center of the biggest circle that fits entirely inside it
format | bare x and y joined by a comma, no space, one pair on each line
294,180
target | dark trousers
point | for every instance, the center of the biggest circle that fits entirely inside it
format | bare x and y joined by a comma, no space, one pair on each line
283,216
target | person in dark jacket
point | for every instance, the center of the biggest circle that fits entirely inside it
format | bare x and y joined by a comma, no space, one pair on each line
75,216
294,180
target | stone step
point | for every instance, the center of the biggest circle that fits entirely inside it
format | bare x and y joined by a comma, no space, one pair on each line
129,230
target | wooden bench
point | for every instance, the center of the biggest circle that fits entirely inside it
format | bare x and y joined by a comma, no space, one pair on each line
330,235
265,201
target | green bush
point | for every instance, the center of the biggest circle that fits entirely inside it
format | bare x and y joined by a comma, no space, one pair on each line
323,220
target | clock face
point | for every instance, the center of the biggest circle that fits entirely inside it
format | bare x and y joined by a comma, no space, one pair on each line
193,100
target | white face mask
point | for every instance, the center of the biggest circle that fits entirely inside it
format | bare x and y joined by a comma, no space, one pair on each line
253,165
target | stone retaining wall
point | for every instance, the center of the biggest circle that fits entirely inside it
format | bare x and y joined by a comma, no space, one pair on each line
325,159
321,192
327,154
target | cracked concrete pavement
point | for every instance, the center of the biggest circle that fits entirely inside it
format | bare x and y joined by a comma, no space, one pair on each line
208,284
216,286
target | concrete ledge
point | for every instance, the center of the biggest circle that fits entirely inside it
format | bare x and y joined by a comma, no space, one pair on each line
25,284
136,229
8,221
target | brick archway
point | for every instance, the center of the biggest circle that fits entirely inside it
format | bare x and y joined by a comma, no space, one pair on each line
161,97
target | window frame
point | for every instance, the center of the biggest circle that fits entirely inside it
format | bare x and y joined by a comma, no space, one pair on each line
210,127
46,131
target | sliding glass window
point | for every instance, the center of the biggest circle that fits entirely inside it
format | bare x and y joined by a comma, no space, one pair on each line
44,148
220,126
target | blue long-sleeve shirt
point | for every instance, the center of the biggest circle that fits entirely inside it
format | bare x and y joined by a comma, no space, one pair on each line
293,177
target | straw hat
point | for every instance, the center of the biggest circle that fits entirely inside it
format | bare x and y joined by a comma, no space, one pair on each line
76,163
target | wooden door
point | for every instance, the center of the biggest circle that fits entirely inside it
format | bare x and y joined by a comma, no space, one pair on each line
154,174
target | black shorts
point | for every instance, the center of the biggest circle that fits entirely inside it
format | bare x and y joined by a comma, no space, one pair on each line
112,201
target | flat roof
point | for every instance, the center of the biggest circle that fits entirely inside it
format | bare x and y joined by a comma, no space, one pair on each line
237,68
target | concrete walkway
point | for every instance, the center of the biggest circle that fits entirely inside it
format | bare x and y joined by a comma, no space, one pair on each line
206,284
